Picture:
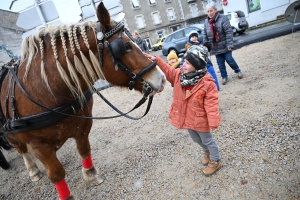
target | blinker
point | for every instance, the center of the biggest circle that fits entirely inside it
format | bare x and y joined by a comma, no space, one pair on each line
118,47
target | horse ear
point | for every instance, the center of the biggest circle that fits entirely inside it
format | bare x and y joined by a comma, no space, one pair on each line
103,17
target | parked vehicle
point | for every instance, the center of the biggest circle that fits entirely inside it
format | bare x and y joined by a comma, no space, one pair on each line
238,21
5,145
3,162
176,41
158,44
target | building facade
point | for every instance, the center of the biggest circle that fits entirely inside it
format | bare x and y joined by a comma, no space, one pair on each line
155,18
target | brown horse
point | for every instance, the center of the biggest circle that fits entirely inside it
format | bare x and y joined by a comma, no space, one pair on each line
58,68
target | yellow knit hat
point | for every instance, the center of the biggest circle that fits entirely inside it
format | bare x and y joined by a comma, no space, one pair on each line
171,55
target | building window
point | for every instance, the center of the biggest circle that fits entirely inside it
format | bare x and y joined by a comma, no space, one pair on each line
140,21
156,18
194,10
168,1
152,2
174,27
135,4
160,33
171,14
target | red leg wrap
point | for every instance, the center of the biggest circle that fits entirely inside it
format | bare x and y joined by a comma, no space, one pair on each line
87,163
62,189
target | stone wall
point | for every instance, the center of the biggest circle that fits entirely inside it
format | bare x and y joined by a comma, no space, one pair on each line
10,34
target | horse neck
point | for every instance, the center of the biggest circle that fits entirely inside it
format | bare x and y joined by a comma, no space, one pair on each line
79,69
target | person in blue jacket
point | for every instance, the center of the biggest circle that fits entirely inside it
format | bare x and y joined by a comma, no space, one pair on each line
193,40
210,67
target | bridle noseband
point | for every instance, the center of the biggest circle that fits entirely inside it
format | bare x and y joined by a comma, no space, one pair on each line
116,49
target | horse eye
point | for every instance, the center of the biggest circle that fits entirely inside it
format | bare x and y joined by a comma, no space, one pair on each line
128,47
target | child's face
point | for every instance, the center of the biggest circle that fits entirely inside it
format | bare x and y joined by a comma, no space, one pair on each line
194,39
187,67
172,61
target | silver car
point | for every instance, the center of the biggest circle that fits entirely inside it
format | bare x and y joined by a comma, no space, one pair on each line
238,21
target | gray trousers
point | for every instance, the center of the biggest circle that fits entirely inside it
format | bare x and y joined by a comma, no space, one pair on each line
207,142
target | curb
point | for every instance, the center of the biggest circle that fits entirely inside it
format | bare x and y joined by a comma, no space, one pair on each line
267,37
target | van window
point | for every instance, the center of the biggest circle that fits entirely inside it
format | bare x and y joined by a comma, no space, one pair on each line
240,14
229,16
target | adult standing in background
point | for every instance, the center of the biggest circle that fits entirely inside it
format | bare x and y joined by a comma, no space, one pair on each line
139,41
218,31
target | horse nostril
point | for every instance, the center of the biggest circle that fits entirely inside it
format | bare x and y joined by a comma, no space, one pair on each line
163,81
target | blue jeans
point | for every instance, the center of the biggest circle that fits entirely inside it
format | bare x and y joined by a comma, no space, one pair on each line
230,60
207,142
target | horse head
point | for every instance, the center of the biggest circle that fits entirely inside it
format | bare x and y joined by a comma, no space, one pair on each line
123,61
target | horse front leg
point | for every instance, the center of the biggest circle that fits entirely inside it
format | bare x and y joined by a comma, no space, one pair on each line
55,170
89,171
22,148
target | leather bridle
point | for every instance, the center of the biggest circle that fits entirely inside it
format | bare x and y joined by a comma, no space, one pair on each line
117,49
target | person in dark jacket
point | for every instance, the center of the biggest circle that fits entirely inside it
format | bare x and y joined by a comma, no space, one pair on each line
193,40
218,31
140,42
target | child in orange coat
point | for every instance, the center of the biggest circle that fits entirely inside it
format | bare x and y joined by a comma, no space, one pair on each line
195,102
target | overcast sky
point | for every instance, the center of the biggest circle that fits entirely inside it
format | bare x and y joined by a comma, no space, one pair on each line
68,10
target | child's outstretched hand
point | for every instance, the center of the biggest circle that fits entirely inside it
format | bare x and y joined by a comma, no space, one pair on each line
149,56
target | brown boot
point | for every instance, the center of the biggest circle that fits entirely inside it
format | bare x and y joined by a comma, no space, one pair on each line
206,159
212,167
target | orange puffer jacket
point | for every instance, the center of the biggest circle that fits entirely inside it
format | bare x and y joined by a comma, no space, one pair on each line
199,109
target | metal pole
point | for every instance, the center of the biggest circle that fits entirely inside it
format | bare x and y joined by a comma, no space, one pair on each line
36,4
93,4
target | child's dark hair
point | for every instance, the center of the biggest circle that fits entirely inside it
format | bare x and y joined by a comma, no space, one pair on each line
207,45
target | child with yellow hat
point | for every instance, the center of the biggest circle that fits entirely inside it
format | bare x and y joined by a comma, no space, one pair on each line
172,59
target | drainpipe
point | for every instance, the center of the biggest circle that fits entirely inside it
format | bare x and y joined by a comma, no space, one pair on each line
181,10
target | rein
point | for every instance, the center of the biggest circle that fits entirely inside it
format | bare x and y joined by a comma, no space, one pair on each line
52,116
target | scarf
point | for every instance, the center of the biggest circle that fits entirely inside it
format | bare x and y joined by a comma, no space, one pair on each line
192,78
193,43
213,29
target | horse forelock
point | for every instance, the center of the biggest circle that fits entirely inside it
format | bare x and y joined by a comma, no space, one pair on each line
34,45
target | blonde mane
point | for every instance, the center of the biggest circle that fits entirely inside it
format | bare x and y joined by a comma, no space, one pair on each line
89,69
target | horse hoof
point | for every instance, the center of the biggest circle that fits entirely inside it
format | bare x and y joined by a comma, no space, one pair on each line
91,176
97,181
71,197
36,177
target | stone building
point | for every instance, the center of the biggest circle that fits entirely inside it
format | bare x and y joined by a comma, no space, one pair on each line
10,35
155,18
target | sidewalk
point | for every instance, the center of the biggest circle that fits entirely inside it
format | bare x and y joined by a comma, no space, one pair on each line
264,32
258,33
